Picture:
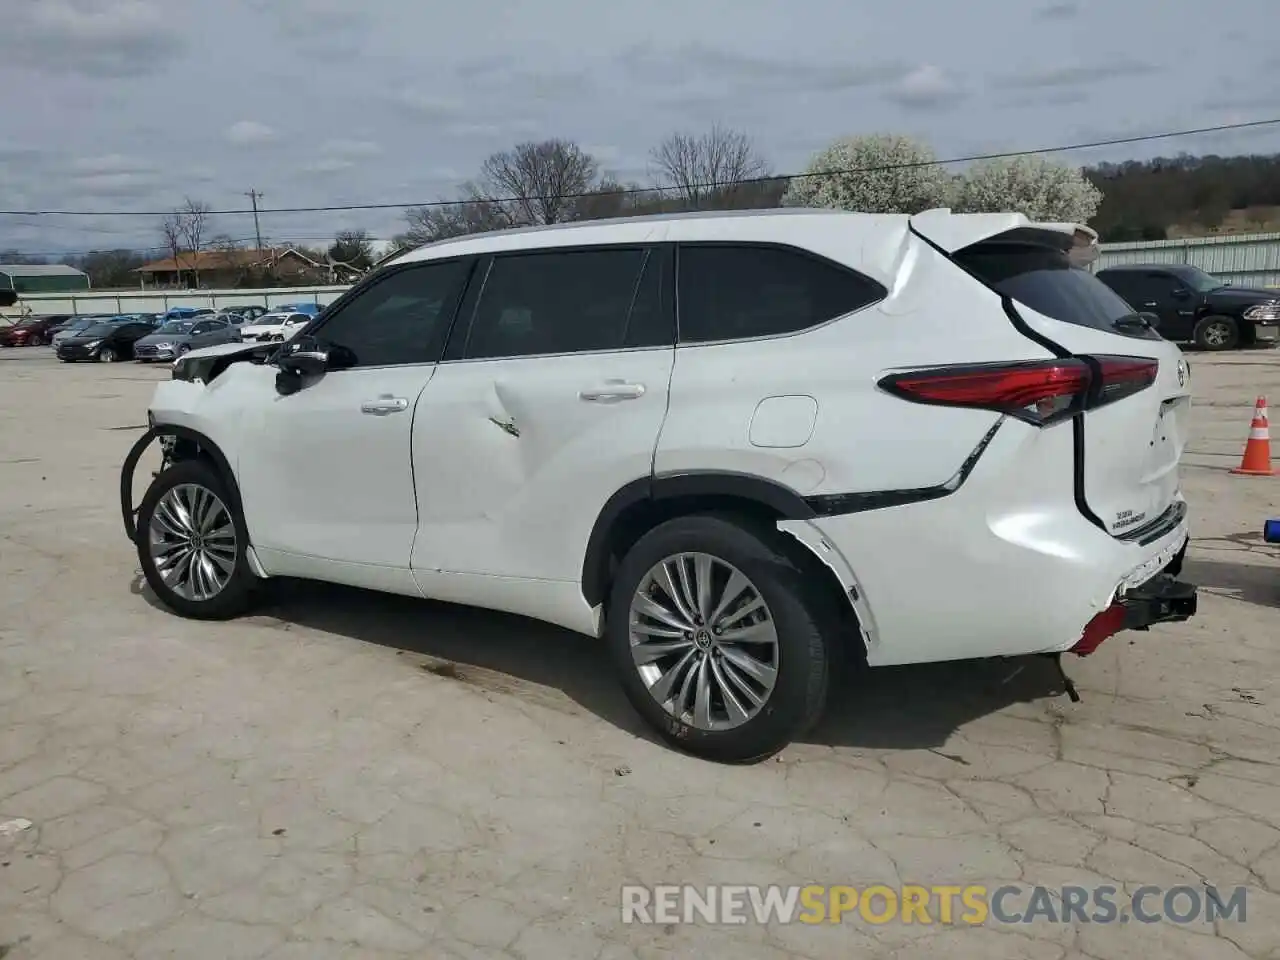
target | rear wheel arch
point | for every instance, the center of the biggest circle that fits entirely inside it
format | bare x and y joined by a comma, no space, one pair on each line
644,504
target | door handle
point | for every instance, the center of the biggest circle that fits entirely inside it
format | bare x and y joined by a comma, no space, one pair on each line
384,405
1151,303
613,391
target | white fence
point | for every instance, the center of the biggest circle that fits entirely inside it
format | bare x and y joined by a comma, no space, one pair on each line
158,301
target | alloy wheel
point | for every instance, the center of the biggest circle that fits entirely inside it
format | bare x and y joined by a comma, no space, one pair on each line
192,542
1217,334
703,641
107,355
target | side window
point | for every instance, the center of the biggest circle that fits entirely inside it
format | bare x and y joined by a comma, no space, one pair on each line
732,292
402,318
555,302
1162,286
652,323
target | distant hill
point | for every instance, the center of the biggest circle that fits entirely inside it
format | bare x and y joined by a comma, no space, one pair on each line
1185,196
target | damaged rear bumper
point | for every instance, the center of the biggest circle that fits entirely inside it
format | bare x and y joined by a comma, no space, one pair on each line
1162,599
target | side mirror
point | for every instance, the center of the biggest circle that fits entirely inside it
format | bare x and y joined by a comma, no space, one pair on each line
1153,319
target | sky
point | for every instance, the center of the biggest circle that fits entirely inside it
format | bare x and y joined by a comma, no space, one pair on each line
117,106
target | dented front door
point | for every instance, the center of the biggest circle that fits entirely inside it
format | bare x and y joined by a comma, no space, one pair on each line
514,458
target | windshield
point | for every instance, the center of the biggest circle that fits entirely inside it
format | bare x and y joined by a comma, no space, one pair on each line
177,326
1198,280
99,329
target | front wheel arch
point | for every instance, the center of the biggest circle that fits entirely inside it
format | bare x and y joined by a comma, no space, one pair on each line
188,444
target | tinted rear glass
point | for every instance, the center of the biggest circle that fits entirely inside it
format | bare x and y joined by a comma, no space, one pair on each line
1045,280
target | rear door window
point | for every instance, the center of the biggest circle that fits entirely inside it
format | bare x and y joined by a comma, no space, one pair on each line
562,302
1045,280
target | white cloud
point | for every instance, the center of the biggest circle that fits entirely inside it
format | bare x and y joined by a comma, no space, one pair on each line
249,132
926,86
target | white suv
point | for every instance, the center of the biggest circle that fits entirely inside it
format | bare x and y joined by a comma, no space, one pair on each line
735,445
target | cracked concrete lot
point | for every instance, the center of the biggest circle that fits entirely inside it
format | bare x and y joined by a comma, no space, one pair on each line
345,775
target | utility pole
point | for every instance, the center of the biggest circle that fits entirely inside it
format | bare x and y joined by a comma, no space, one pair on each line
254,196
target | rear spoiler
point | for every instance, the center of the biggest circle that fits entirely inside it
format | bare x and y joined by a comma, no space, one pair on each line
952,232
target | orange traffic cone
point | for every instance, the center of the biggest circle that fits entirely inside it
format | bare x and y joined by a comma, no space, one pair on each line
1257,452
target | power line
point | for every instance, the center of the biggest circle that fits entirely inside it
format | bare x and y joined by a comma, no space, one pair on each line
1002,155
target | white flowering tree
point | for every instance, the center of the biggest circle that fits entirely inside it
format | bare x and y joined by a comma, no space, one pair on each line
872,174
1032,185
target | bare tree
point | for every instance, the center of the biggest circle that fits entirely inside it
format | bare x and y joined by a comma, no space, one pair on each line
171,228
539,182
193,220
472,214
710,170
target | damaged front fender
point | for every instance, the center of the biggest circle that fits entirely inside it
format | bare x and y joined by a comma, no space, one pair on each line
129,512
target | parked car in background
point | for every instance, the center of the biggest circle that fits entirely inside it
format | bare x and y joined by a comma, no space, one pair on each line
107,340
75,325
735,447
176,337
1187,304
238,315
310,308
185,313
274,326
31,332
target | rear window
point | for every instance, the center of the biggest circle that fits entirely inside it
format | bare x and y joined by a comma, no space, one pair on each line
1045,280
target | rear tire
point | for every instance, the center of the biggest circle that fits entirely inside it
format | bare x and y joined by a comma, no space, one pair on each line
107,355
193,544
1217,333
703,691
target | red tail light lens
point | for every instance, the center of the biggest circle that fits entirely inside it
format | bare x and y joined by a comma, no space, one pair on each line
1039,391
1124,376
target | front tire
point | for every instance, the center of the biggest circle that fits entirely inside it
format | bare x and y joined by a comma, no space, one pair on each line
718,641
192,544
1217,333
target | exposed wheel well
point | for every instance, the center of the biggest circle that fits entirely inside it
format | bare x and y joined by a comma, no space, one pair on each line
190,445
643,515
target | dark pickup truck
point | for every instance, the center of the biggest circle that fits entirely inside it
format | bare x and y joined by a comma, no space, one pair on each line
1191,305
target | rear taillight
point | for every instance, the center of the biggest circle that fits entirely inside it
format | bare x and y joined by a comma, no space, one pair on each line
1039,392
